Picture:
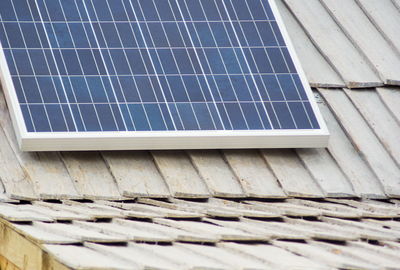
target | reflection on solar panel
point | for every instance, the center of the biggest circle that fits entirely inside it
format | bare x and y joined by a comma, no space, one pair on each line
153,74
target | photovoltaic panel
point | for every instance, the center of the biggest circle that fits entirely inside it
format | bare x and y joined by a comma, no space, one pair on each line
153,74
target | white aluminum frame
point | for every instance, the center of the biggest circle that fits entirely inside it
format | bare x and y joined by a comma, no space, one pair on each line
141,140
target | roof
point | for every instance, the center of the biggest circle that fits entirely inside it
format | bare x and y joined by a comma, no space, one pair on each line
350,51
217,234
362,159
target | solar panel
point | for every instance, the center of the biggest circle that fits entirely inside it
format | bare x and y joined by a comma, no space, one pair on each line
153,74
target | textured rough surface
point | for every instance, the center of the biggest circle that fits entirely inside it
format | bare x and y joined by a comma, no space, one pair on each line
362,160
332,234
233,209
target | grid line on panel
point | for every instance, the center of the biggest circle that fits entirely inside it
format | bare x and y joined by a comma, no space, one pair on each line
177,102
107,68
156,65
52,79
203,71
248,66
57,68
19,78
203,91
286,63
170,47
270,63
256,73
85,125
134,21
108,73
34,72
130,67
177,74
284,59
176,63
225,68
192,66
98,69
223,63
180,69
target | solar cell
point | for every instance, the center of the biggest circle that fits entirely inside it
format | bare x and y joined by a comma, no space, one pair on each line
132,74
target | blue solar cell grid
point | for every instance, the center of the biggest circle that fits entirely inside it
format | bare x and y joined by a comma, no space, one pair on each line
151,65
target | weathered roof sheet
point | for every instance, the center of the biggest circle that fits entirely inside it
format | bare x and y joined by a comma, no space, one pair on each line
233,209
362,159
214,234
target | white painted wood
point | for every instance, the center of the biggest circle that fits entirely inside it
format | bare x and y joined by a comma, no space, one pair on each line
365,183
90,174
253,174
381,251
376,261
128,212
207,209
318,71
165,212
365,141
94,209
5,198
79,233
286,209
326,172
84,212
210,230
386,18
216,173
367,231
51,213
391,244
384,224
281,230
14,213
232,259
274,256
380,120
246,210
265,233
16,181
136,174
128,233
136,256
177,206
185,258
40,236
392,204
396,3
61,211
330,209
324,256
45,170
291,174
333,44
391,98
180,175
83,258
361,31
167,231
369,210
324,231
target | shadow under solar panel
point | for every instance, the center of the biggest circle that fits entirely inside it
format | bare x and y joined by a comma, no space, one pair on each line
153,74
